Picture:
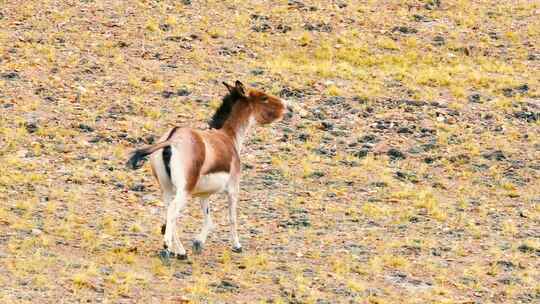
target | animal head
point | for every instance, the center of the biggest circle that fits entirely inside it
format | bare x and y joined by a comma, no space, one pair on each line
265,108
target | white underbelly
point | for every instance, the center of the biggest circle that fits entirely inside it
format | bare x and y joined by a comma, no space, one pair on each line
212,183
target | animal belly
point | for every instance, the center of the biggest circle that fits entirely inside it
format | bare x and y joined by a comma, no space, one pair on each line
212,183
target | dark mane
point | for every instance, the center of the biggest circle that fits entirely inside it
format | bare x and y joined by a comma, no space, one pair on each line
224,110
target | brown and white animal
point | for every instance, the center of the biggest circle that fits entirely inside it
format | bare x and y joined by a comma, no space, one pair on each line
198,163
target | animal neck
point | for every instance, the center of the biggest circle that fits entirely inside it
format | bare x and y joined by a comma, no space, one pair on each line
238,125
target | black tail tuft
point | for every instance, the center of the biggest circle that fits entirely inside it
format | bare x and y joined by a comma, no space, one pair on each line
137,159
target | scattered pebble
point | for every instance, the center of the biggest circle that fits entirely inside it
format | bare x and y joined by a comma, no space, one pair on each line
11,76
31,126
318,27
395,154
405,30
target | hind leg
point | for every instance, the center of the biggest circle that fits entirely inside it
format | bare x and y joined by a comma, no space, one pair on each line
170,239
168,197
165,184
208,225
179,177
174,203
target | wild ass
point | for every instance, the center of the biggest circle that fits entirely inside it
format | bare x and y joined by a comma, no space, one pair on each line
198,163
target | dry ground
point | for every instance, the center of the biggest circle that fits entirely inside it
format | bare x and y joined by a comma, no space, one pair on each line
411,174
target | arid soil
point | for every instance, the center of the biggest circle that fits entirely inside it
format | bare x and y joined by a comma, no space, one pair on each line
410,172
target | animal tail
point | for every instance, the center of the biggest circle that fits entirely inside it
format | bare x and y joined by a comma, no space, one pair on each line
138,157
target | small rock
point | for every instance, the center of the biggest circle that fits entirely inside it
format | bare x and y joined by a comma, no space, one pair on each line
429,160
226,286
395,154
405,176
475,98
529,116
432,4
528,297
318,27
11,76
296,3
404,130
524,88
138,188
335,100
493,35
327,125
183,92
429,146
177,39
257,71
31,127
167,94
438,41
509,280
165,27
265,27
259,17
254,231
507,265
511,92
283,28
317,174
495,155
405,30
379,184
420,18
369,138
298,219
414,219
303,137
95,139
361,153
528,249
460,158
86,128
182,274
290,92
508,92
36,232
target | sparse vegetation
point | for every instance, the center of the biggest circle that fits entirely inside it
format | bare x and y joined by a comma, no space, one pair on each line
410,173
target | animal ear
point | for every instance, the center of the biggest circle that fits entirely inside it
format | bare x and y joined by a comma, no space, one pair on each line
229,87
240,88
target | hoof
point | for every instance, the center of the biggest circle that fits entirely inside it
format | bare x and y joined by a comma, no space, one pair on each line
163,227
237,249
197,246
165,256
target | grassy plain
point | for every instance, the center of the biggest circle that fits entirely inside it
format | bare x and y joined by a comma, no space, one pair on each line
410,173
